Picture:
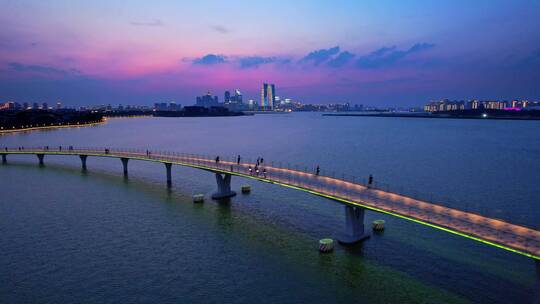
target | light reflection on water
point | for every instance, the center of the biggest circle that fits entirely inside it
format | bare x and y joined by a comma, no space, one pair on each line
134,240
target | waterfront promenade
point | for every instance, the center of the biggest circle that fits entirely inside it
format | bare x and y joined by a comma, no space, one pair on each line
351,193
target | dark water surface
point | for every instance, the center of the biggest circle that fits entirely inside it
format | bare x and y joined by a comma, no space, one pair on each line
68,236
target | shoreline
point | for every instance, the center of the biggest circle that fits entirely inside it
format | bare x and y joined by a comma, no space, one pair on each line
439,117
53,127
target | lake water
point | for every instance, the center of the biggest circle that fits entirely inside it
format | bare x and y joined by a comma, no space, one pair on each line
95,237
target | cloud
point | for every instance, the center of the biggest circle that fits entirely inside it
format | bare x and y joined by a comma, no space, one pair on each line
255,61
319,56
210,59
41,69
220,29
342,59
388,56
151,23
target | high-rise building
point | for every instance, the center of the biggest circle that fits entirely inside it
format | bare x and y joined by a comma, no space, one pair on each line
227,96
237,96
268,93
207,101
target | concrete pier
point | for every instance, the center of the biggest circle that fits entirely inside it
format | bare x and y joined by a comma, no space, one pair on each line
83,161
40,158
125,165
224,186
4,158
354,225
169,178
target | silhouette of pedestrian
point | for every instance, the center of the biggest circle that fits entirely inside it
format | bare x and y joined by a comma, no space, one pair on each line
217,159
264,172
370,181
238,160
250,170
262,159
318,170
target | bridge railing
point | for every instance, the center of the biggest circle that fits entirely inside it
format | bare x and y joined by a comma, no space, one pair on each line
328,182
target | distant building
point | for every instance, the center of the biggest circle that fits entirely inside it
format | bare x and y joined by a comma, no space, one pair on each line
7,106
207,101
234,102
59,105
251,104
268,93
44,106
447,105
174,107
163,106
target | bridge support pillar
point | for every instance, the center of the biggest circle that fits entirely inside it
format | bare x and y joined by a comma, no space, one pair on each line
4,158
40,158
224,186
83,161
354,225
169,178
125,165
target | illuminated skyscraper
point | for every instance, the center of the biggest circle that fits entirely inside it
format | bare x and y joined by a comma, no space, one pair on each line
268,93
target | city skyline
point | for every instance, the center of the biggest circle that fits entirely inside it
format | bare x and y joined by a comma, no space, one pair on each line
367,53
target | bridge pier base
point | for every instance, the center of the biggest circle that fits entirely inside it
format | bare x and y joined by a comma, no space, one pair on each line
354,226
40,158
83,161
4,158
169,177
125,165
224,187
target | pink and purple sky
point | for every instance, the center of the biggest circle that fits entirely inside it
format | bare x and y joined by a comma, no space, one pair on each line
397,53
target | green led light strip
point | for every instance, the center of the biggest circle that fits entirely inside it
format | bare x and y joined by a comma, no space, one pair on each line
335,198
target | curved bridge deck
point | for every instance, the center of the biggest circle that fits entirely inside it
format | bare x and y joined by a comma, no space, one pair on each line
495,232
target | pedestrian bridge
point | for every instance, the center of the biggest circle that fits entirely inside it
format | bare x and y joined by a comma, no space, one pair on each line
355,196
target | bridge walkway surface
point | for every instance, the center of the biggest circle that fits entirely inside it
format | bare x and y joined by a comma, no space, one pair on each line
491,231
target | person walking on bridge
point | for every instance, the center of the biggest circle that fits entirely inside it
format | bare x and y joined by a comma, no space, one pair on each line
264,172
238,160
318,170
370,181
217,159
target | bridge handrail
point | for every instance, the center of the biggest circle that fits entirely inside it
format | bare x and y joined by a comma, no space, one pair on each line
209,162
